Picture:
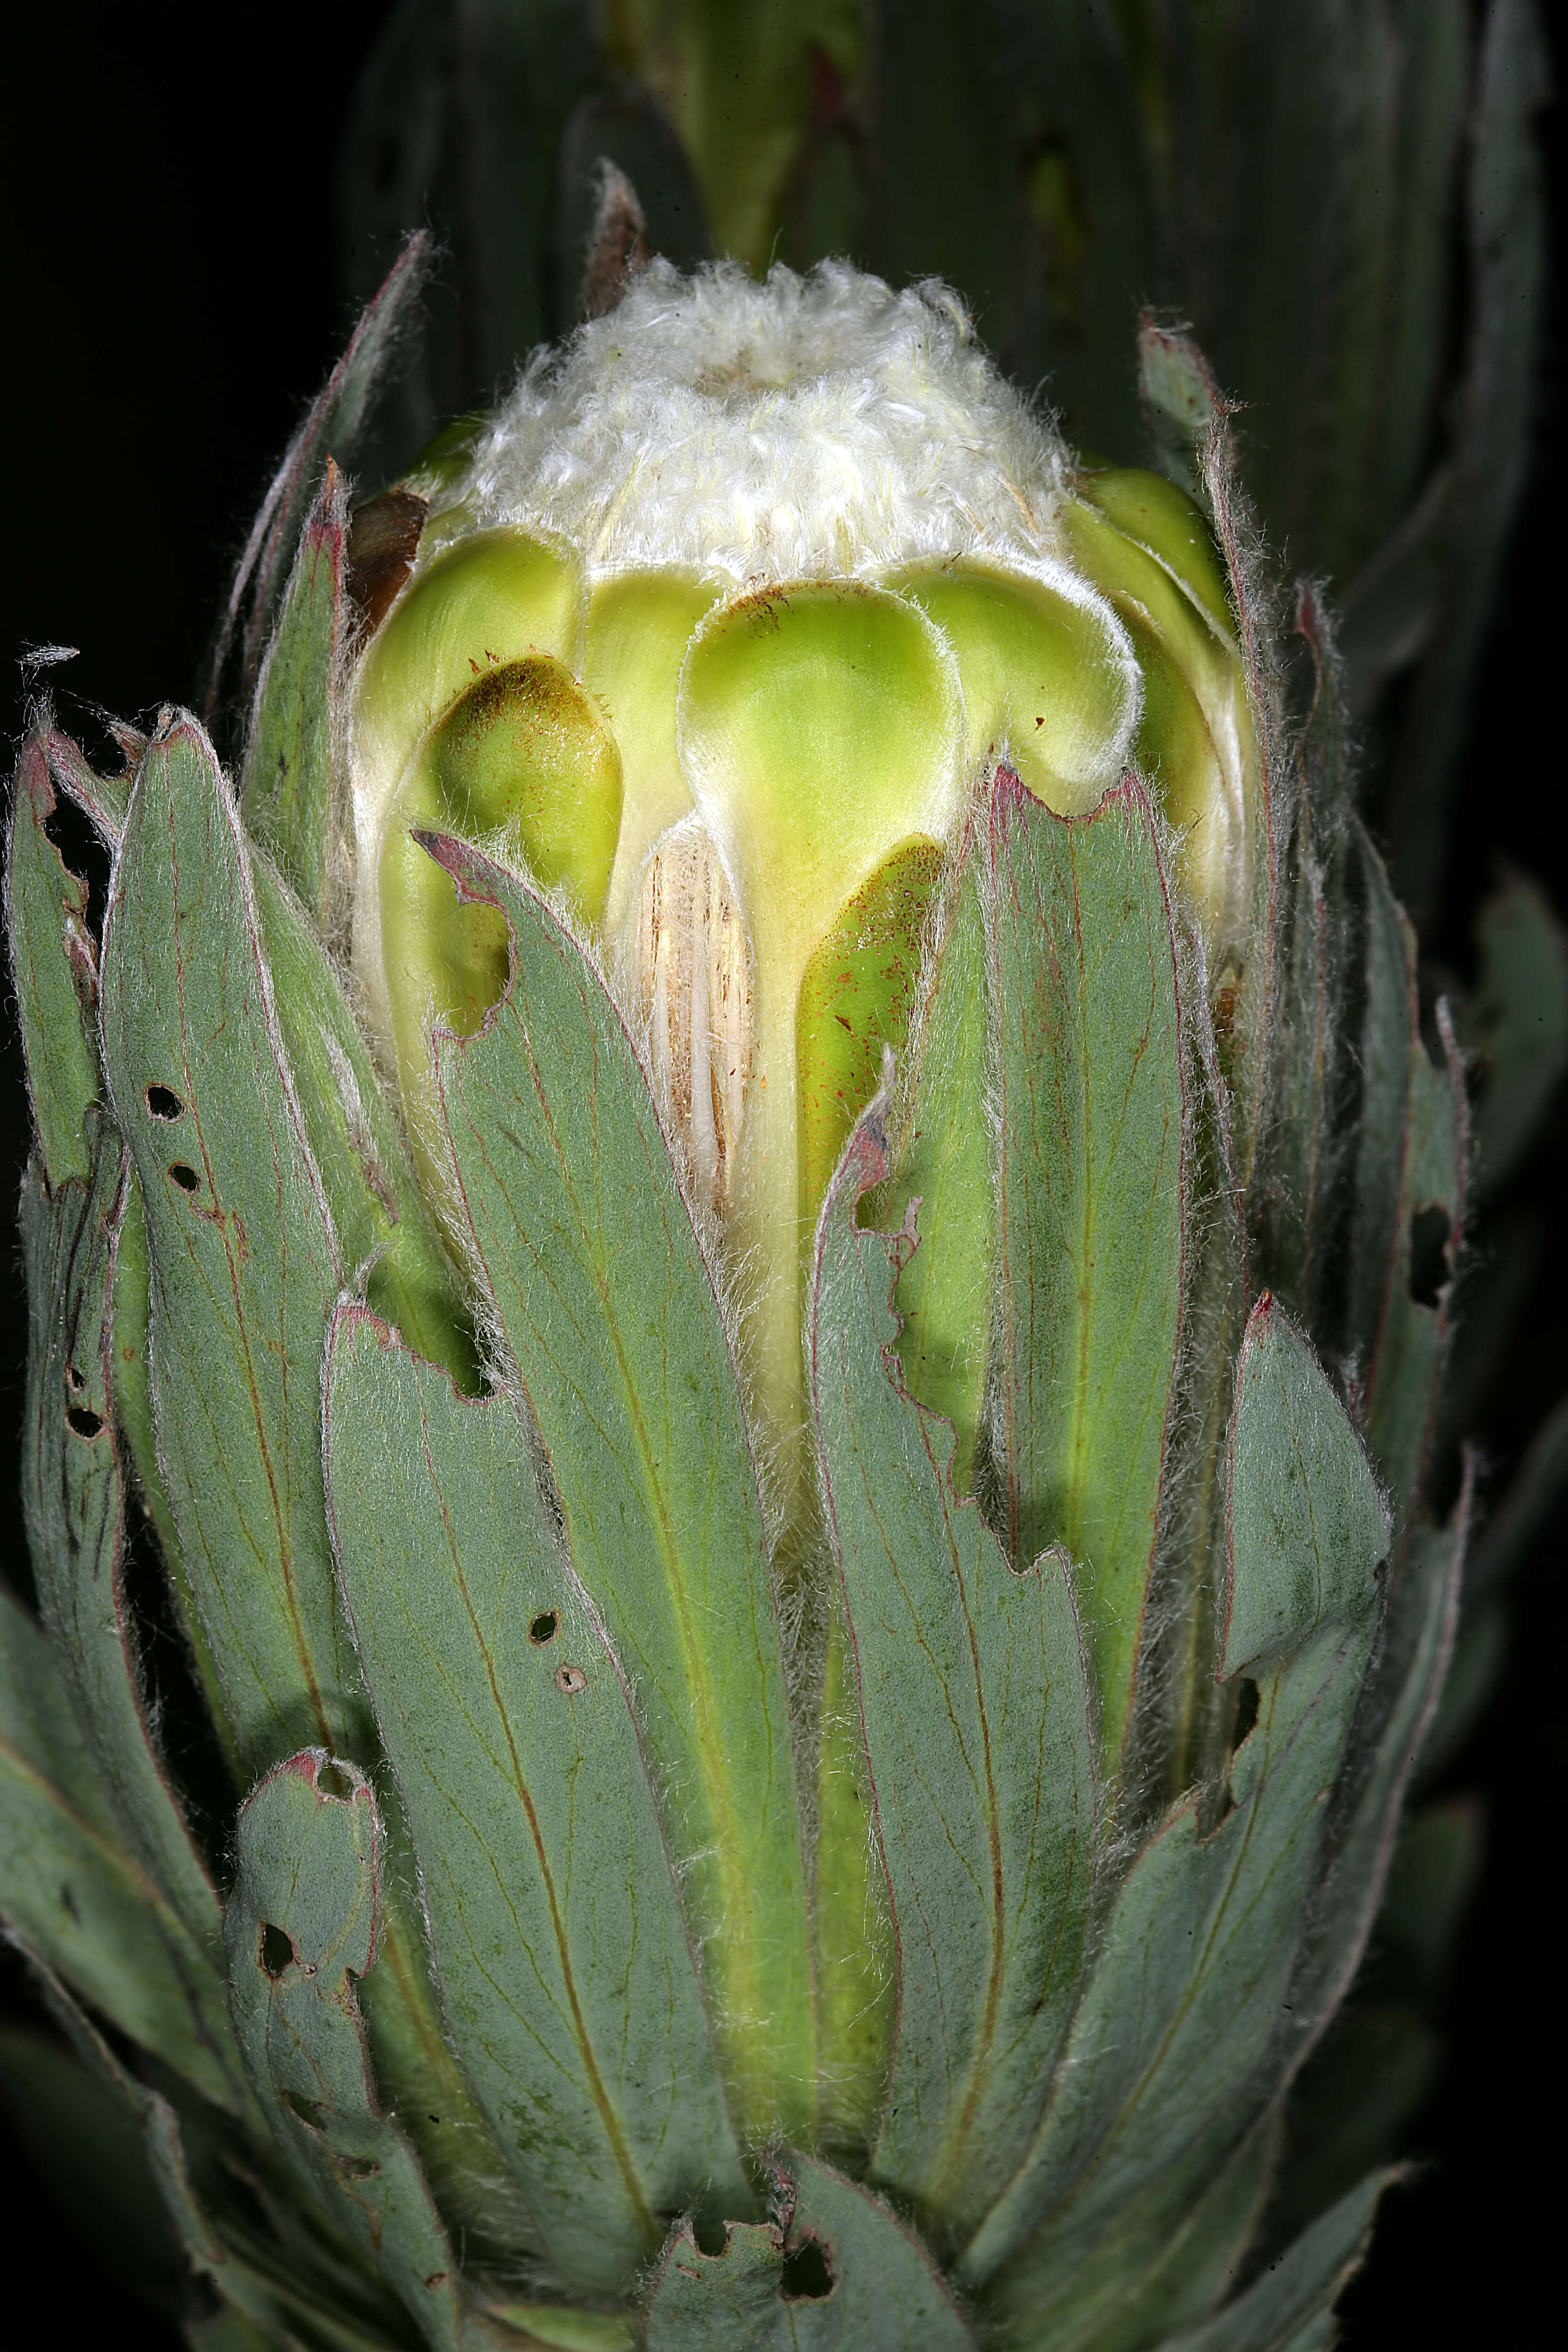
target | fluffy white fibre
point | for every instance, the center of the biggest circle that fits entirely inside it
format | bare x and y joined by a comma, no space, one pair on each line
820,426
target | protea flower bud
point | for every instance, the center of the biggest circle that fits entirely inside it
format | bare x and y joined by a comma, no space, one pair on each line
736,605
725,1224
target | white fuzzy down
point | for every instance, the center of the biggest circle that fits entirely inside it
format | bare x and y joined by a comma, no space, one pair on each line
806,427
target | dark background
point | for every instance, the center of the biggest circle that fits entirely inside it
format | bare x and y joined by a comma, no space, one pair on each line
170,302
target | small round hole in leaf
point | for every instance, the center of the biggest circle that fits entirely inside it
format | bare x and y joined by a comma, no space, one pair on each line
356,2167
310,2112
1428,1254
570,1679
164,1103
278,1953
333,1780
82,1422
543,1628
807,2273
74,1381
186,1177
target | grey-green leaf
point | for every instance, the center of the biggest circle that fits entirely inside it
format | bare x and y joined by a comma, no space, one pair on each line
1304,2283
1417,1645
1181,400
974,1706
55,973
1178,2040
865,2284
1092,1176
1303,1504
1388,1027
585,1245
82,2142
1164,2260
56,965
1292,1210
377,1209
101,799
944,1162
566,1972
302,2289
286,794
70,1891
303,1924
245,1260
74,1503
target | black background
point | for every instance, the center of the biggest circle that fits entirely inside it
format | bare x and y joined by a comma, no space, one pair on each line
170,301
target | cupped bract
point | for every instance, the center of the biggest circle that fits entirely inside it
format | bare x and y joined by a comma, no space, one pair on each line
741,600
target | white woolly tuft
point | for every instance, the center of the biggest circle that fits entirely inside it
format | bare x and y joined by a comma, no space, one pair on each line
807,427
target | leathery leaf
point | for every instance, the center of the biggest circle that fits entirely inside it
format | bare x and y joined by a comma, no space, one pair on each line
56,963
287,789
55,973
567,1199
1302,1507
1304,1045
302,1925
944,1162
260,1560
1407,1233
1166,2258
834,2271
1418,1641
71,1892
567,1976
975,1708
1277,2312
1177,2042
245,1264
73,1500
1090,1194
377,1207
1387,1040
308,2276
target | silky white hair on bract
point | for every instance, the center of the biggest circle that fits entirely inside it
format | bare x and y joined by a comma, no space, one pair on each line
815,427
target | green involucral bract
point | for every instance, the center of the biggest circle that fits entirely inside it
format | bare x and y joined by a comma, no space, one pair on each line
713,1223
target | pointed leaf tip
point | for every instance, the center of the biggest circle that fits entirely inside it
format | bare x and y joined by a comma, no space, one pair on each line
337,414
1306,1524
863,1163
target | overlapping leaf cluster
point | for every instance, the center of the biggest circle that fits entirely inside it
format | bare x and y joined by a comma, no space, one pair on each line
515,2001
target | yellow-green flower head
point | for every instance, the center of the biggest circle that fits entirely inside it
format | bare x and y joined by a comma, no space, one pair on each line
729,611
